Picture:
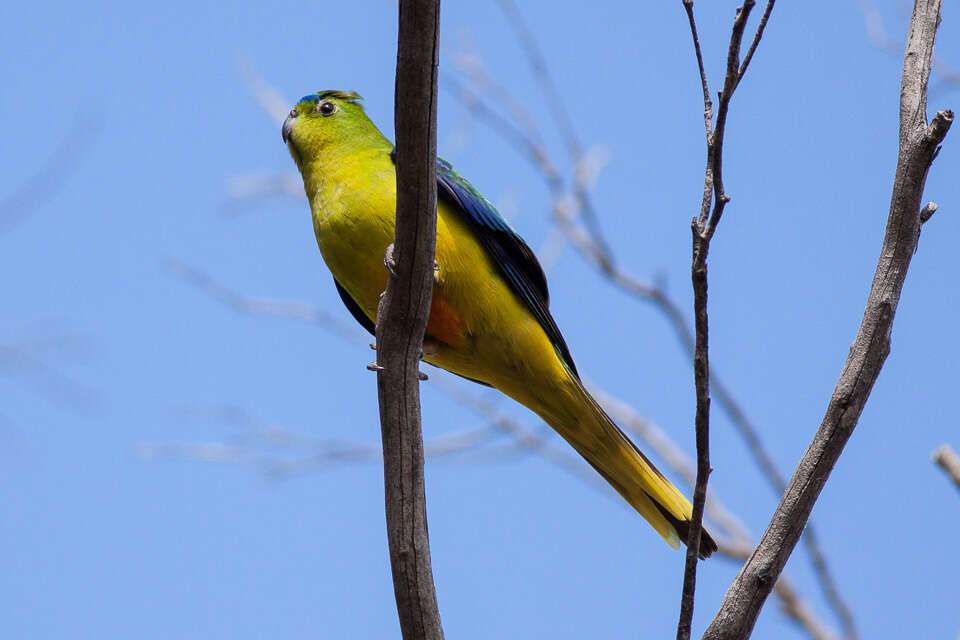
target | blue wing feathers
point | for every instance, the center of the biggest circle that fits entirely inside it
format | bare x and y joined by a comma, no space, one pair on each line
517,263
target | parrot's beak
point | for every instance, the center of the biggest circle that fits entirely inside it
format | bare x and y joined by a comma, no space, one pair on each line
287,128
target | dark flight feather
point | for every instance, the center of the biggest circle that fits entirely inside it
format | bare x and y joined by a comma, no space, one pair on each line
509,252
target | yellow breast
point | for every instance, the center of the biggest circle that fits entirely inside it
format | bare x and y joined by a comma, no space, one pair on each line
480,327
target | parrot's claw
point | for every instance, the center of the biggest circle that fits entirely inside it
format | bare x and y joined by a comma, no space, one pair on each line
373,366
391,264
388,260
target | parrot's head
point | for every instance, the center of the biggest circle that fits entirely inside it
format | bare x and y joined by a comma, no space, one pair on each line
324,122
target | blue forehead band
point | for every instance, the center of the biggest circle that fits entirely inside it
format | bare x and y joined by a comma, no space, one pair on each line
312,97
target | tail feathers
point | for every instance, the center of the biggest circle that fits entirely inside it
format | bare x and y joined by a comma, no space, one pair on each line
707,544
608,450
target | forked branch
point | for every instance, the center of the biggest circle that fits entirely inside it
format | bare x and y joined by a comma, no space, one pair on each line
919,143
703,227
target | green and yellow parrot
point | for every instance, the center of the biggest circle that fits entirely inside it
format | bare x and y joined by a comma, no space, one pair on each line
489,317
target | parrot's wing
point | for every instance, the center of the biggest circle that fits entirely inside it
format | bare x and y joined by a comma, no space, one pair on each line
517,263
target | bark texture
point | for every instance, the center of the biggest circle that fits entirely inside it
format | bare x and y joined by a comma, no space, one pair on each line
402,319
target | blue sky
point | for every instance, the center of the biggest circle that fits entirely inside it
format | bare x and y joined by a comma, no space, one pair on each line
105,350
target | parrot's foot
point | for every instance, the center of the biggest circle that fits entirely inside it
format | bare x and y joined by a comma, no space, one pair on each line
374,366
389,262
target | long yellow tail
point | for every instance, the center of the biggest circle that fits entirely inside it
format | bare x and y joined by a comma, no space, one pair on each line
597,438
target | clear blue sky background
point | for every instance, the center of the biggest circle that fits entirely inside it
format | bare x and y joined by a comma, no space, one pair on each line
105,350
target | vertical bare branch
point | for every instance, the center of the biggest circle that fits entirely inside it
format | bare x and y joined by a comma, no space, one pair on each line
703,228
402,319
919,143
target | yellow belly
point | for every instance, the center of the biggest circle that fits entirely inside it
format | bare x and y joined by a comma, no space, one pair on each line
478,326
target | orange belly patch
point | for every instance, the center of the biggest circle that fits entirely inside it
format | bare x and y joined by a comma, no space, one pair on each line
444,323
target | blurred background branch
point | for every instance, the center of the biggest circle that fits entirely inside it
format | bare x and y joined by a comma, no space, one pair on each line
52,176
28,357
946,76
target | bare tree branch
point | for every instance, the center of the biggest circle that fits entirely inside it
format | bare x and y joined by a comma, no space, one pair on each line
948,460
402,319
703,228
919,143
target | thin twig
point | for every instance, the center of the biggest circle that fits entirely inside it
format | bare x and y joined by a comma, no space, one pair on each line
919,143
948,460
756,38
927,212
703,228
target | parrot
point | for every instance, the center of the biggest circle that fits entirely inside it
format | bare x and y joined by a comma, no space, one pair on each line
489,316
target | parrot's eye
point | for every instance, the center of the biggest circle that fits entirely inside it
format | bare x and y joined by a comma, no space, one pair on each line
326,108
